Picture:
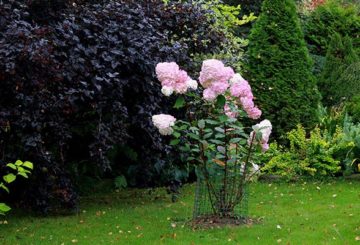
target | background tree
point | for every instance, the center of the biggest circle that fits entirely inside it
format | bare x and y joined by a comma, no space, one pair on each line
280,67
334,84
327,19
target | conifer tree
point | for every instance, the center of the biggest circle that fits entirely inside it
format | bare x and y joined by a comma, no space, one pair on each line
279,67
335,84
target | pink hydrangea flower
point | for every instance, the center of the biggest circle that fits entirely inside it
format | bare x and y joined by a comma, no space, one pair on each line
171,77
167,71
237,78
214,71
254,113
241,89
219,87
247,103
209,94
214,77
164,123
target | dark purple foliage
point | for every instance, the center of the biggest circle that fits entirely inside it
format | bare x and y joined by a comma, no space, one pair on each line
80,80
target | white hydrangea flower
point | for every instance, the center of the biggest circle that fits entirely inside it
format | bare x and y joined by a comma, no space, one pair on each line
192,84
167,91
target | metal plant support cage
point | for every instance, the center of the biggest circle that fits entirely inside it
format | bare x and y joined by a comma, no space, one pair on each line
221,193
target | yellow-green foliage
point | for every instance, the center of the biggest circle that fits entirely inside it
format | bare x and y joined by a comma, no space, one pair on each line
21,169
307,156
227,19
228,15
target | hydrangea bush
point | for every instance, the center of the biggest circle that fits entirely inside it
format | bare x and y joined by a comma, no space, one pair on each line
212,136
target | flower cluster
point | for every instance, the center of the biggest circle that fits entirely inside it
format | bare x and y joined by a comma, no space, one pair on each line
241,90
214,77
164,123
264,128
173,79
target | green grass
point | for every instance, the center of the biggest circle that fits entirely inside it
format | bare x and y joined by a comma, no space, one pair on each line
302,213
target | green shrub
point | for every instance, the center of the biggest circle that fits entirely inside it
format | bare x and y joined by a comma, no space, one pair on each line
353,108
334,84
307,156
328,19
280,67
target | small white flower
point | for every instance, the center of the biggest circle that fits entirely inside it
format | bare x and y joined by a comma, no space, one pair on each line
192,84
255,167
167,91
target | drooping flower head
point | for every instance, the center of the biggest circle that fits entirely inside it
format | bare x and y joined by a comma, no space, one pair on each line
164,123
240,87
264,128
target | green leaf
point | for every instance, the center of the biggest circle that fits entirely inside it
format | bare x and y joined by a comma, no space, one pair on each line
21,169
221,130
23,174
219,136
223,118
2,186
201,124
175,142
180,102
11,165
18,163
217,142
176,134
220,101
28,165
4,208
9,178
193,129
206,136
235,140
212,122
193,136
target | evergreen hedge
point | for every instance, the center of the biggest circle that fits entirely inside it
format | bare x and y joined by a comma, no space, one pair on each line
279,67
337,83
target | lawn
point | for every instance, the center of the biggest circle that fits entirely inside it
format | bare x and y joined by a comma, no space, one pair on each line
301,213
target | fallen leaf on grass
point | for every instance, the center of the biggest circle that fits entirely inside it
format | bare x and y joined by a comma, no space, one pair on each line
357,238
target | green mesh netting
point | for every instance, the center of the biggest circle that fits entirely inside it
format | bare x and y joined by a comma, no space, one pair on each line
221,192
